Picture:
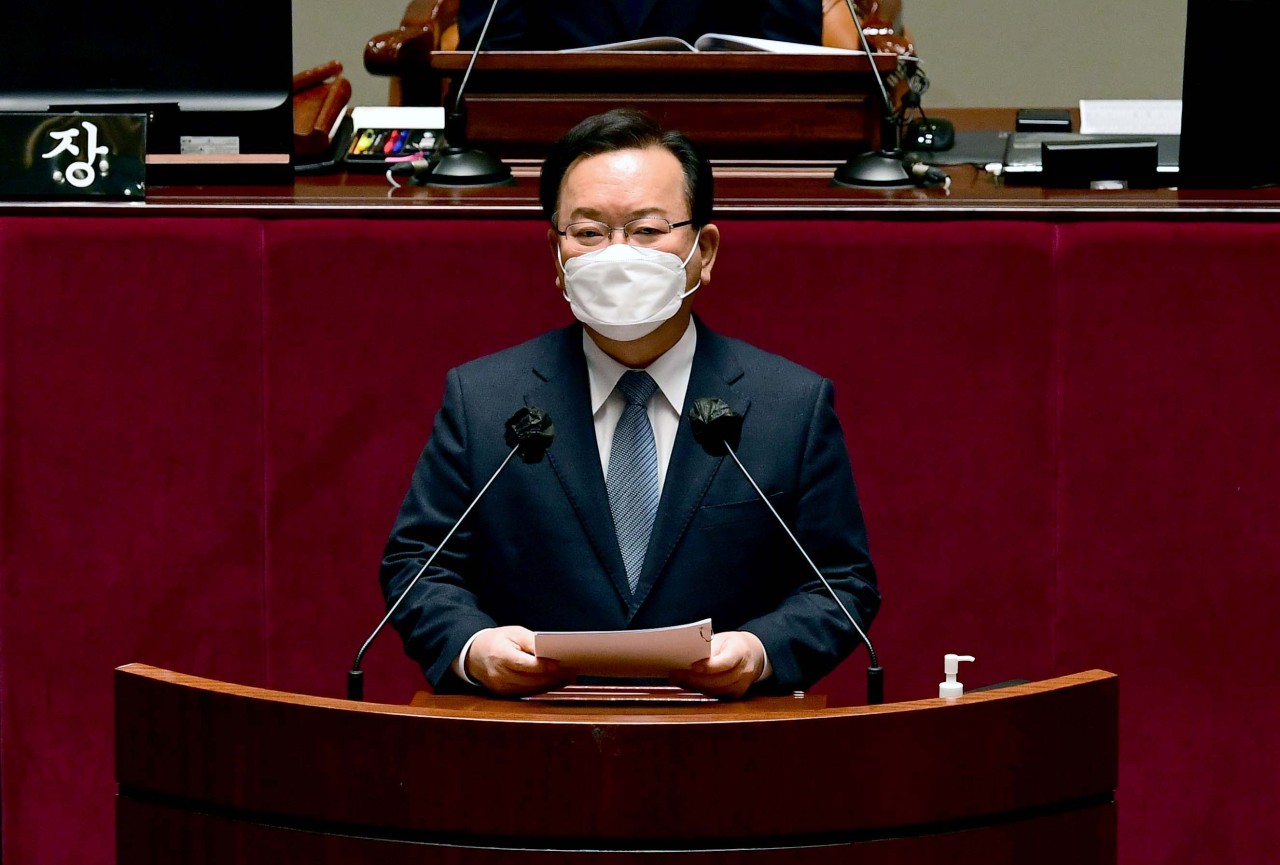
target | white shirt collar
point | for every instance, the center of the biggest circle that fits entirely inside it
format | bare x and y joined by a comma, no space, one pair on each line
671,370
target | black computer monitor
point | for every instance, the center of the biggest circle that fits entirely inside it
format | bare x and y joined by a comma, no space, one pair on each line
214,78
1228,79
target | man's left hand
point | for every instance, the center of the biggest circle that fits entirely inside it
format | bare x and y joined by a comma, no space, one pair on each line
737,659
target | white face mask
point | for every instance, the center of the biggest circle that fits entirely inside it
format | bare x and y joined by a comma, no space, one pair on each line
624,292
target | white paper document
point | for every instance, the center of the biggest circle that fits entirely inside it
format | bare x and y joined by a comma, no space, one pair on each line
644,653
1130,116
397,117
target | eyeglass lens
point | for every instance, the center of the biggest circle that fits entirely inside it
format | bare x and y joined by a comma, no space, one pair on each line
644,231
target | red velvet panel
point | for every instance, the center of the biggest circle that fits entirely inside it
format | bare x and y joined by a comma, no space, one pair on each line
364,318
132,481
938,338
1169,514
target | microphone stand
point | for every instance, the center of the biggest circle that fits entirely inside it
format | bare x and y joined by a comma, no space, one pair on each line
530,430
885,168
715,424
455,163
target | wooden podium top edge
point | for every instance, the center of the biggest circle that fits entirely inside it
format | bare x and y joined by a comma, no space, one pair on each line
481,708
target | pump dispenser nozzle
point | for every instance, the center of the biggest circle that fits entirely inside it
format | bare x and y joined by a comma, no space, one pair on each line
950,667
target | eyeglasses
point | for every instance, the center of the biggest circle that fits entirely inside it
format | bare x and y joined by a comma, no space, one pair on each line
645,231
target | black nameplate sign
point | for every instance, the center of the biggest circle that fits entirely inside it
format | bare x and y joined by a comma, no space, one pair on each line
73,155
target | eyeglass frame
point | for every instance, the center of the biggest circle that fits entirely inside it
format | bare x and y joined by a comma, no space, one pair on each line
610,229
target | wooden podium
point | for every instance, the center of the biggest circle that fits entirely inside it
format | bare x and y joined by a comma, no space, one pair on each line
749,105
210,772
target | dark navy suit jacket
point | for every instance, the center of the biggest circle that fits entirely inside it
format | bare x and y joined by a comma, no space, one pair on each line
540,25
539,550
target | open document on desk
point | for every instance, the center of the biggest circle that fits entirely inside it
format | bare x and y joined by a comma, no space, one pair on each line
713,42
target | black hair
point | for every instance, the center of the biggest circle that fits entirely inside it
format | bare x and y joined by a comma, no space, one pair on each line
626,129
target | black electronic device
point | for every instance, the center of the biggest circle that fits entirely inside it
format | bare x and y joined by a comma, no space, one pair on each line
529,432
1118,162
717,428
1224,100
1096,158
1042,120
932,135
211,116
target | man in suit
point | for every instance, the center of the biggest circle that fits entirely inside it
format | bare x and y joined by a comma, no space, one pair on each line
628,522
540,26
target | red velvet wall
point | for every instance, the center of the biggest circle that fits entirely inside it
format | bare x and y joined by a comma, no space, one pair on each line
132,494
1063,435
1169,523
363,320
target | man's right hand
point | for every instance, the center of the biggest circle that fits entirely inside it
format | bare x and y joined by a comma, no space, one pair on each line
502,660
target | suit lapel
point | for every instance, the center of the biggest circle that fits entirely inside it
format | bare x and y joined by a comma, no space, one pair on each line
691,469
563,391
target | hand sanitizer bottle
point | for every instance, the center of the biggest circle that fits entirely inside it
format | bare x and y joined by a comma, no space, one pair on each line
951,666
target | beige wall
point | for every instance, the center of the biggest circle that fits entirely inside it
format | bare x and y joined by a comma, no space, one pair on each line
976,52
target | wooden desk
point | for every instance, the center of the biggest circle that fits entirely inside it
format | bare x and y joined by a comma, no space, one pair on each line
745,188
742,191
735,104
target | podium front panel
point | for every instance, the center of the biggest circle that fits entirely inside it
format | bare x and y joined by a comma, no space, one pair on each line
201,760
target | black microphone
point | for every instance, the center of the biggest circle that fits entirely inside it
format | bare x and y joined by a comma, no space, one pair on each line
886,168
718,428
453,163
529,432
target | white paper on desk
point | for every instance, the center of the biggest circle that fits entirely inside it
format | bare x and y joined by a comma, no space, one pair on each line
397,117
726,42
648,652
1130,116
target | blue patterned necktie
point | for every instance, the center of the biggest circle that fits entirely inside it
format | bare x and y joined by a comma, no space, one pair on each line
633,473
